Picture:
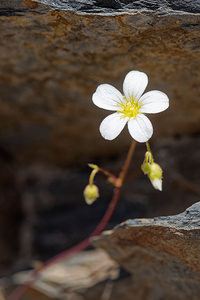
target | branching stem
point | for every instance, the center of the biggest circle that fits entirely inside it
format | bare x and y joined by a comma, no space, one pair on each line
20,291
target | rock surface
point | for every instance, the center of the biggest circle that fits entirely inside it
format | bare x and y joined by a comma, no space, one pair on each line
53,57
105,6
159,259
161,254
71,278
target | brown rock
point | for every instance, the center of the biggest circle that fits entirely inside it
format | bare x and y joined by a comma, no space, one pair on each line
52,61
30,4
161,254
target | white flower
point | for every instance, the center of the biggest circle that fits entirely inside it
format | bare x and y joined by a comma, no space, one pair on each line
130,107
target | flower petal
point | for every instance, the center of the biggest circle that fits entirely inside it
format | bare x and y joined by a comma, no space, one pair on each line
154,102
140,128
112,125
107,97
134,84
157,184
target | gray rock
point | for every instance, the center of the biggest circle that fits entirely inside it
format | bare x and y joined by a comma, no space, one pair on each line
160,257
162,254
188,220
110,6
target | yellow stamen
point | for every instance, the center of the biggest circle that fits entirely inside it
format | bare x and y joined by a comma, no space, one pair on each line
130,108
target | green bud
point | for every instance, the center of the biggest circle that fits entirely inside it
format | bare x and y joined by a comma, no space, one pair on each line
155,171
155,175
91,193
145,168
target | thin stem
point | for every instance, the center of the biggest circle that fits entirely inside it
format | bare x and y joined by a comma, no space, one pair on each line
19,292
107,173
127,162
92,175
148,147
150,152
113,179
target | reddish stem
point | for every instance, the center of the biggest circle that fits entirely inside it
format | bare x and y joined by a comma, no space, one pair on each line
19,292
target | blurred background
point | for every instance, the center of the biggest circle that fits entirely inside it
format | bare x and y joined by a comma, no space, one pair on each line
51,62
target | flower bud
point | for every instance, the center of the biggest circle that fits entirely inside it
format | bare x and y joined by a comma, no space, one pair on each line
91,193
154,172
155,175
157,184
145,168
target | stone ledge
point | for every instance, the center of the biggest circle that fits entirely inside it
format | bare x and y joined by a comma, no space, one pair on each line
162,254
118,6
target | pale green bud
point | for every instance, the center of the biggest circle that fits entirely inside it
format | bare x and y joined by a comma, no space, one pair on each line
145,168
91,193
155,175
154,172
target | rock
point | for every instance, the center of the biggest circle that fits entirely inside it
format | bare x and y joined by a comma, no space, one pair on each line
71,278
159,259
105,6
161,254
55,53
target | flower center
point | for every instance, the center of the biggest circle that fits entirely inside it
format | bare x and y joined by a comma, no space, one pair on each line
130,108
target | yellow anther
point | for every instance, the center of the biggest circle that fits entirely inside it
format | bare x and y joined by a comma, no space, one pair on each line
130,108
